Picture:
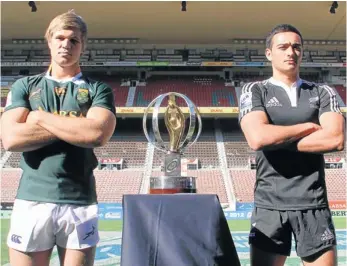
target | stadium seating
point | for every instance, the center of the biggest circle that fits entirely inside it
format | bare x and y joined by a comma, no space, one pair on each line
205,150
324,59
236,149
132,148
336,183
120,92
2,149
341,90
9,184
243,182
13,160
112,185
203,91
4,92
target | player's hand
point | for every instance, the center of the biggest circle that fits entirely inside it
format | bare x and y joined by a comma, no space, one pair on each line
33,117
312,127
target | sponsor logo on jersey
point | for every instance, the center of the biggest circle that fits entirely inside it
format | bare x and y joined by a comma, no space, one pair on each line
59,91
68,113
273,102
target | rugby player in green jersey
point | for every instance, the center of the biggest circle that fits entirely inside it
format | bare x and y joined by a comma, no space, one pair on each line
56,119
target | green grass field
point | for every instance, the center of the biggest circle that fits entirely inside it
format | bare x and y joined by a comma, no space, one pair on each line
116,226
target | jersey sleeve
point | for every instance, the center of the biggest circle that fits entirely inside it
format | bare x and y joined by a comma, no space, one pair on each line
328,101
104,98
250,99
18,95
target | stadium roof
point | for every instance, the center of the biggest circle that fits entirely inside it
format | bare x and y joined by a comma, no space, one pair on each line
163,22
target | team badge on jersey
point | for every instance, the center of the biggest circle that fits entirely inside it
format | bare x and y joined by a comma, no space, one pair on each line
35,94
314,102
245,101
35,99
82,95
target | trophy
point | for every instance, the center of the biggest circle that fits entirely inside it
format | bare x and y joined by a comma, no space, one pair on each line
172,181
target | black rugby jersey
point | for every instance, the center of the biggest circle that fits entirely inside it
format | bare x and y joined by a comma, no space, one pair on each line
287,179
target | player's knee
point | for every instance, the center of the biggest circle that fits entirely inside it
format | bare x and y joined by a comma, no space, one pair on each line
22,258
327,256
77,257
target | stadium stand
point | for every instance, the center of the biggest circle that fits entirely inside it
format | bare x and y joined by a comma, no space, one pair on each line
341,90
243,182
4,92
205,150
204,91
120,92
336,183
13,160
9,184
2,149
111,185
131,147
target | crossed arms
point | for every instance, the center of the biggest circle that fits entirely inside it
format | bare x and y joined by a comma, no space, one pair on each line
23,130
308,137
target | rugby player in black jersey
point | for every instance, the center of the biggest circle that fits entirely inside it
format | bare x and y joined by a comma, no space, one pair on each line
290,123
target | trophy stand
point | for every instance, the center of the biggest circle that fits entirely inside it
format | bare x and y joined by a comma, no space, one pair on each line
172,182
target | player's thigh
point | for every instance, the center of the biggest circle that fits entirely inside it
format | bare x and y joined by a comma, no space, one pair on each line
260,258
325,257
270,237
19,258
76,257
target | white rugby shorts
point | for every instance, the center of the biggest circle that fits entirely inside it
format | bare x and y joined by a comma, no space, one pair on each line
38,226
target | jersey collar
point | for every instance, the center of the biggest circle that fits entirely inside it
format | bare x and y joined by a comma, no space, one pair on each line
73,79
295,85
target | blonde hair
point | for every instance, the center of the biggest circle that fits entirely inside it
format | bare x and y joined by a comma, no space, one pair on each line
68,21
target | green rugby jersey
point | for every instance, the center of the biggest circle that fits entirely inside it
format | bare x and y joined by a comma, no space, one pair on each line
59,172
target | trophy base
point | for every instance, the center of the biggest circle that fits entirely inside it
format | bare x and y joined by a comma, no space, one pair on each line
172,185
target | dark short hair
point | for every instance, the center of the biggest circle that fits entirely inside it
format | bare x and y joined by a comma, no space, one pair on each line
281,28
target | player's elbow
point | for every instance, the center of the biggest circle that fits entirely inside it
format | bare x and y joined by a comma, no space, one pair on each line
339,143
255,143
256,146
100,139
8,143
104,134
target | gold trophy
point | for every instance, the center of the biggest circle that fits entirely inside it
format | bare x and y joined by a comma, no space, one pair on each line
175,123
172,181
